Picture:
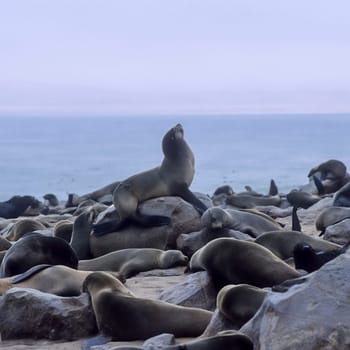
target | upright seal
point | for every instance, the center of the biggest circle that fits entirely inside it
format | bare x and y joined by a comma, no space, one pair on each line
172,178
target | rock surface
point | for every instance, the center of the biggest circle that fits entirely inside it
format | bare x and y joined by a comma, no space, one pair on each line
28,313
196,290
309,316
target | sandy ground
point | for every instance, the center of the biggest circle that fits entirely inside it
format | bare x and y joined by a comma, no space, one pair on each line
149,285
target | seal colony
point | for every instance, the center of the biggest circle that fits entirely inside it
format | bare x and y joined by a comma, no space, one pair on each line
243,243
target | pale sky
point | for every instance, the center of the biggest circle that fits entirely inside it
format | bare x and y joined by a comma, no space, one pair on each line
181,56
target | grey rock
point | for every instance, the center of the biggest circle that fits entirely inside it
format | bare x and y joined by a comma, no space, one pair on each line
196,290
28,313
158,342
184,219
338,233
309,316
218,323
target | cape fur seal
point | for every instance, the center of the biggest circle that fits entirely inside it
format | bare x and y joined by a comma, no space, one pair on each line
122,316
308,259
23,226
250,199
331,216
172,178
216,223
131,261
55,279
232,261
239,303
332,174
283,243
342,196
17,205
35,249
249,221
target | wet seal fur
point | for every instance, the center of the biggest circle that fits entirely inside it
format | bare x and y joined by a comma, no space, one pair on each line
239,303
131,261
35,249
139,318
172,178
232,261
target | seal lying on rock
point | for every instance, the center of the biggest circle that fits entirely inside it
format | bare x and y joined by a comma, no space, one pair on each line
251,199
308,259
35,249
172,178
283,243
232,261
122,316
55,279
239,303
216,223
17,205
129,262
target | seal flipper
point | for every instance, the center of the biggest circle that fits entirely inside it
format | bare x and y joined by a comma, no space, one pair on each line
149,220
107,227
273,191
295,220
98,340
29,273
188,196
138,219
319,185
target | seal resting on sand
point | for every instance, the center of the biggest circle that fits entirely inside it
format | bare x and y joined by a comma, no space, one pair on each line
172,178
122,316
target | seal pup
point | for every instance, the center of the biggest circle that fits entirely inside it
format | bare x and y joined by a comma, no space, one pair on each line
172,178
122,316
239,303
129,262
252,222
35,249
216,223
282,243
232,261
17,205
54,279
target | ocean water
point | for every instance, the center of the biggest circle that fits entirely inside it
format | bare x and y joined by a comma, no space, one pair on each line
62,155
